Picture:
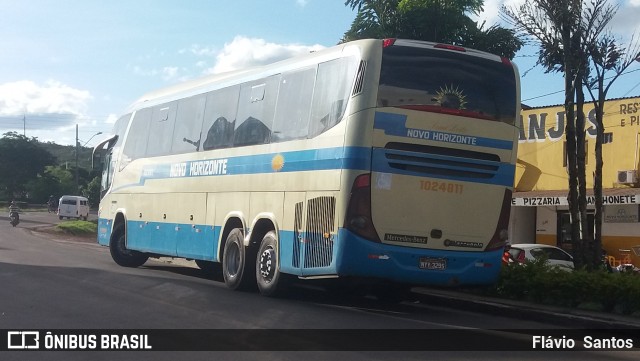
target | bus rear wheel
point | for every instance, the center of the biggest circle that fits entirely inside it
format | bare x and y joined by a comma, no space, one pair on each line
237,264
119,252
268,277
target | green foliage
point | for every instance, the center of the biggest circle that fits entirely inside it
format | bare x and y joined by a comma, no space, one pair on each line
430,20
92,191
78,227
22,159
32,171
597,290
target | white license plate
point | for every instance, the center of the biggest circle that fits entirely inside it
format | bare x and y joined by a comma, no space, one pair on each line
438,264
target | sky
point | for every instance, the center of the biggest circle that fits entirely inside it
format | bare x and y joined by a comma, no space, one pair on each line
83,62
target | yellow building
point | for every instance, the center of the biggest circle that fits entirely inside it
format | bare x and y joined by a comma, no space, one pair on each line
540,212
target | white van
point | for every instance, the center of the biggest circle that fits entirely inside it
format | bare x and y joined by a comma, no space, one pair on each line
73,207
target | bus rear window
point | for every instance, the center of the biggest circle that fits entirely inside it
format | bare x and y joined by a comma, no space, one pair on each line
447,82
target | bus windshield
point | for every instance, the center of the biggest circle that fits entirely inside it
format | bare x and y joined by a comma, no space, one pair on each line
449,82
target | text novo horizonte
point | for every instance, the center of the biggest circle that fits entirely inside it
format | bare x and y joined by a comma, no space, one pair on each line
199,168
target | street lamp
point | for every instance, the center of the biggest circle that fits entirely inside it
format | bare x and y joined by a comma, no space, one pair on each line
77,152
87,142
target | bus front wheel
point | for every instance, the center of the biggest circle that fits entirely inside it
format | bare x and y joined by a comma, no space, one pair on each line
119,252
269,279
237,266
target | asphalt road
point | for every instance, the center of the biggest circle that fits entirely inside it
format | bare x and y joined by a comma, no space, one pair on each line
50,283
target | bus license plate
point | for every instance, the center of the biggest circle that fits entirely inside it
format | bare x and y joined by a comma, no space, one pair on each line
437,264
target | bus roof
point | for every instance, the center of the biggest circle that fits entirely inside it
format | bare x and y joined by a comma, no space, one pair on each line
217,81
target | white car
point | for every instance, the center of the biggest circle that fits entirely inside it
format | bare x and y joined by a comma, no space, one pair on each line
531,251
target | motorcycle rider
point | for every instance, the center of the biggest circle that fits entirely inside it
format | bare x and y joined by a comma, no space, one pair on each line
51,204
14,210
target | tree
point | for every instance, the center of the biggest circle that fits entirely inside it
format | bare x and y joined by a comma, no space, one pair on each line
430,20
567,32
92,191
21,159
606,57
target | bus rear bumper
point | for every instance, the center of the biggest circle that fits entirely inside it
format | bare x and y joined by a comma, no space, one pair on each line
363,258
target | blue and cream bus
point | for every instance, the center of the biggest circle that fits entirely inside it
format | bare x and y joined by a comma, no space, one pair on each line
382,160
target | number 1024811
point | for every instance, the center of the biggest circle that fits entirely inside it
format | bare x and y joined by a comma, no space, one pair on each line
446,187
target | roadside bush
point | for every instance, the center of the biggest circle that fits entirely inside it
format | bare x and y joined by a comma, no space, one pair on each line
78,227
598,290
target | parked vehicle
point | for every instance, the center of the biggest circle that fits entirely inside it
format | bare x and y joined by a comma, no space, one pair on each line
73,207
532,251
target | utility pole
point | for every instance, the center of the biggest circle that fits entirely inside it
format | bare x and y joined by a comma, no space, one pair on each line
77,150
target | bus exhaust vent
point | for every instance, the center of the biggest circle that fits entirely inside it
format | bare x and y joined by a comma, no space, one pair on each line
297,236
430,160
359,84
318,250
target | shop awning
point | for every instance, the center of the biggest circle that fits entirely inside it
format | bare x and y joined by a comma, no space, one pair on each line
559,197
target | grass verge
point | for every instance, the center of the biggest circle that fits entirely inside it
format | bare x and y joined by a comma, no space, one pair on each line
78,228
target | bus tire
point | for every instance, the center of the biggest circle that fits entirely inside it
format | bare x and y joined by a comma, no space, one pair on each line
119,252
268,276
237,266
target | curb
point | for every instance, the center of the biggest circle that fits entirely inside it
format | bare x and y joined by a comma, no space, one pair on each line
572,318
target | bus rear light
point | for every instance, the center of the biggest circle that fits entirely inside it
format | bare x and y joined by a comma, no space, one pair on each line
388,42
450,47
358,218
500,236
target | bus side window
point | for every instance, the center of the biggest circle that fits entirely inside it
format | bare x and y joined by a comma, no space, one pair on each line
219,118
161,129
332,89
293,108
256,109
136,143
187,135
219,134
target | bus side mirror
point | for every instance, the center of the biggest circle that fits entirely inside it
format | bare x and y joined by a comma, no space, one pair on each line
96,162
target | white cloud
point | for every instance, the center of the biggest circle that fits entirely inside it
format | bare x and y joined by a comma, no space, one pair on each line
51,98
624,23
302,3
170,72
199,50
48,111
245,52
491,13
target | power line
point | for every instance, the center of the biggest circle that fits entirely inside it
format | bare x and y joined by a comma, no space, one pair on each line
562,91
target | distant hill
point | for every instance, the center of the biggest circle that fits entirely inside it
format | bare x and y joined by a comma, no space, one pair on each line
66,154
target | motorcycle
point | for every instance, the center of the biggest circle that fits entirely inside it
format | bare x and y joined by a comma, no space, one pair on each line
14,217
